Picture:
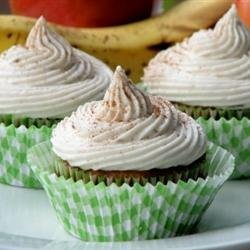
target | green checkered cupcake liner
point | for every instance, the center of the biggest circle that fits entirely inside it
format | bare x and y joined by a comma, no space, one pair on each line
100,212
27,122
233,135
14,143
216,113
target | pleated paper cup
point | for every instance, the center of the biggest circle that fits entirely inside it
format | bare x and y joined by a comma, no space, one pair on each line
215,113
233,135
27,122
100,212
14,143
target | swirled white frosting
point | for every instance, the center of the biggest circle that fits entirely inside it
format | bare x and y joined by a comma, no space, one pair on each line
128,130
47,78
211,68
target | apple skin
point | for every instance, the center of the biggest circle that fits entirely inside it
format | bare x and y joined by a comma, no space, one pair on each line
243,7
84,13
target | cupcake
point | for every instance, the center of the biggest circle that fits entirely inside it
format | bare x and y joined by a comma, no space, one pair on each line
129,167
41,83
208,77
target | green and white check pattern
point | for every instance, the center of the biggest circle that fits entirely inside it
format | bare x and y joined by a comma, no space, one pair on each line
233,135
14,143
118,213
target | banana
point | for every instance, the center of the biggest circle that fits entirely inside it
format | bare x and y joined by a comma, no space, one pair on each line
130,45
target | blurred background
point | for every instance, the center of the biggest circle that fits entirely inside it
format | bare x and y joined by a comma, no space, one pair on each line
4,6
126,11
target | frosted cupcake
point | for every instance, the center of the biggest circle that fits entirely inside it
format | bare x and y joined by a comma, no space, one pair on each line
41,83
122,168
129,135
207,75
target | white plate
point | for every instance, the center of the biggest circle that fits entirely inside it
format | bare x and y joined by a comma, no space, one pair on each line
27,221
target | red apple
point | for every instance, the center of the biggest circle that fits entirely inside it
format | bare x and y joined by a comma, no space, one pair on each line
243,7
84,13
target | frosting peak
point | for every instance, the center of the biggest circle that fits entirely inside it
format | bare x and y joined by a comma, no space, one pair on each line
44,40
123,101
229,20
40,29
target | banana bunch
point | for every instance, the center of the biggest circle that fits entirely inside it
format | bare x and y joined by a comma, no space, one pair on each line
131,45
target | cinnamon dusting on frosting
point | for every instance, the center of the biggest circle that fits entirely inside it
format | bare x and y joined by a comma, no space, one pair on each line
47,78
209,69
123,101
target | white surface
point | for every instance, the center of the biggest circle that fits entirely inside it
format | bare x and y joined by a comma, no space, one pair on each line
27,221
